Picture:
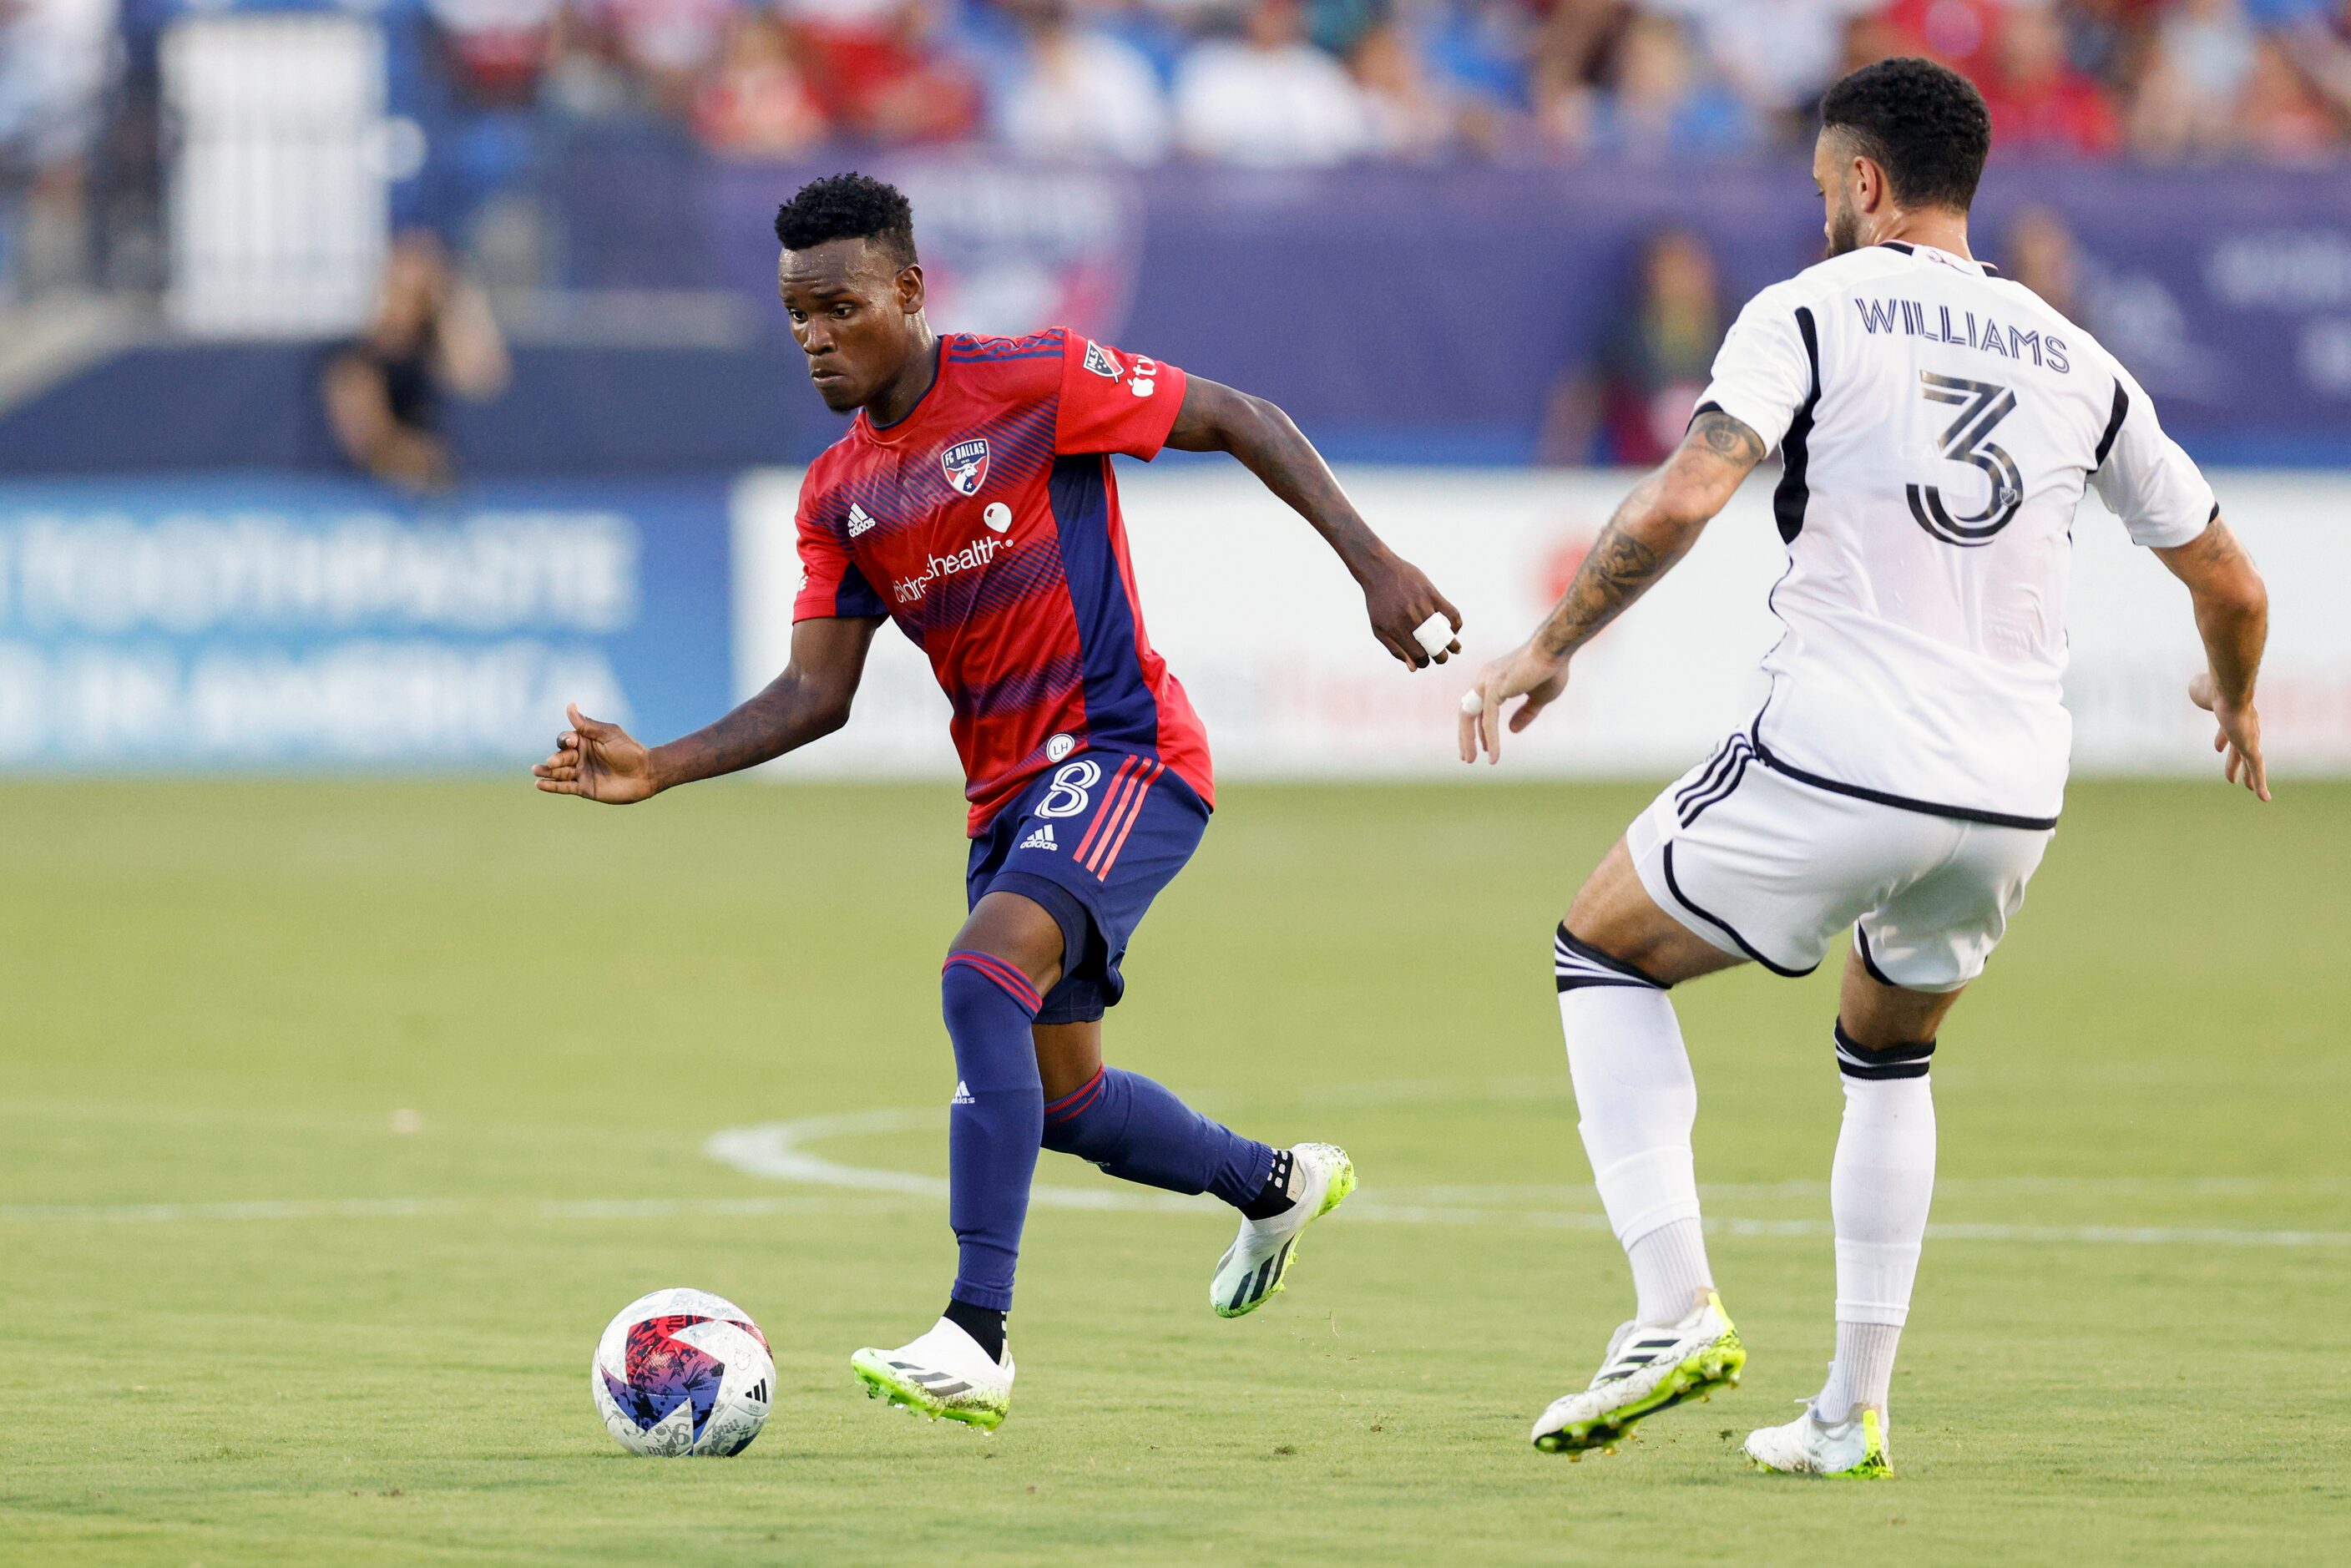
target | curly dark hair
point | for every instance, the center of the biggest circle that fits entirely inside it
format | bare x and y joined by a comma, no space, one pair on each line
848,207
1924,124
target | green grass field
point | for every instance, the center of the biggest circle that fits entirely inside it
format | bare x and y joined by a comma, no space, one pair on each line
248,1320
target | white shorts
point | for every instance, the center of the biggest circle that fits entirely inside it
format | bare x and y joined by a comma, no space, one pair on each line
1774,870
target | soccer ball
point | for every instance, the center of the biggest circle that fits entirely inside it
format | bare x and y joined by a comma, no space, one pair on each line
682,1371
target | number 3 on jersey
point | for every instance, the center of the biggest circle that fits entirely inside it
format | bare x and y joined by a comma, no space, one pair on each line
1968,440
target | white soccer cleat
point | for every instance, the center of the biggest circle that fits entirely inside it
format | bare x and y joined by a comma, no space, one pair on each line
1852,1450
944,1373
1250,1272
1648,1368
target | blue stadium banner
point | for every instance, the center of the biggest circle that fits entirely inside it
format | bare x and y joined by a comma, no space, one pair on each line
255,622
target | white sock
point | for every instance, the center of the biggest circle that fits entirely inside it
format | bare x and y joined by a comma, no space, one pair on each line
1880,1189
1862,1372
1638,1101
1669,1271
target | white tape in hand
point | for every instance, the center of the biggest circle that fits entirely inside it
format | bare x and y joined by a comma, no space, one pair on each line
1435,634
1472,703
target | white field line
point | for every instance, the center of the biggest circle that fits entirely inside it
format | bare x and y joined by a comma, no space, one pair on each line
432,1209
777,1151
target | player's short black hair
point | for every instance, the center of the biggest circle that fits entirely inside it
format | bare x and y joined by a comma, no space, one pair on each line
1924,124
848,207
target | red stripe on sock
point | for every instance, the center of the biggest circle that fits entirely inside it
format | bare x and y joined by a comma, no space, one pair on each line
1014,983
1111,795
1077,1099
1102,873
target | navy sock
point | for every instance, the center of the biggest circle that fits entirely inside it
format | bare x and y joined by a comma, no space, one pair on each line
1138,1132
995,1124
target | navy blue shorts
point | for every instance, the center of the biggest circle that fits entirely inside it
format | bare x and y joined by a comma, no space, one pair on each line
1092,841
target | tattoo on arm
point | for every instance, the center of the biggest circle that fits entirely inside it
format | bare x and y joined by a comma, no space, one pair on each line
1653,530
1618,571
1727,438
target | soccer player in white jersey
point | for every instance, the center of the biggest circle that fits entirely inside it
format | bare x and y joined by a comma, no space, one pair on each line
1938,425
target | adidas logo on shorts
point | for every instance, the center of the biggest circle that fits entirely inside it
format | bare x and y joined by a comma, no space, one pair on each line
962,1094
1042,839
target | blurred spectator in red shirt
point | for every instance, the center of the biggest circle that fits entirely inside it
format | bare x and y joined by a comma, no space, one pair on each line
758,104
1960,32
879,72
1633,404
2038,99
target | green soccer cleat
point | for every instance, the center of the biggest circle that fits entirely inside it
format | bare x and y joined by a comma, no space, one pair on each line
943,1375
1250,1272
1852,1450
1648,1368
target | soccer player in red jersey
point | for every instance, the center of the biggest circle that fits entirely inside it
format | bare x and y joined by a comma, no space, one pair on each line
972,502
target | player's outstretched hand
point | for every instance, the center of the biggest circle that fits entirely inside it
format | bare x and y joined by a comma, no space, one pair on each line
596,761
2239,739
1525,671
1401,599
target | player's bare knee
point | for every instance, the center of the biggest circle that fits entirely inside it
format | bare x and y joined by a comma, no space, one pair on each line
1880,1015
1613,914
1020,931
1601,913
1069,1055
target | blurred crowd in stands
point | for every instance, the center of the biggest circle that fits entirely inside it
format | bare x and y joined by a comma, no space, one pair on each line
1311,82
1266,83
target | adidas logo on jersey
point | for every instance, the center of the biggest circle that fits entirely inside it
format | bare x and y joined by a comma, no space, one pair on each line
860,519
962,1094
1042,839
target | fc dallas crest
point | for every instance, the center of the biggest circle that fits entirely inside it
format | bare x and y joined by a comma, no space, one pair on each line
967,465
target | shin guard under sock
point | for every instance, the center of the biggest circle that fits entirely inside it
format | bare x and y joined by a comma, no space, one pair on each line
1881,1186
1138,1132
995,1122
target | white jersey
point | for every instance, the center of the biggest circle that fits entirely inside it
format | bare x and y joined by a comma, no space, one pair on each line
1937,425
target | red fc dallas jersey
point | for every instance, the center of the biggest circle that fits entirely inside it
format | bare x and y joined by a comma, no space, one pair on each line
985,524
